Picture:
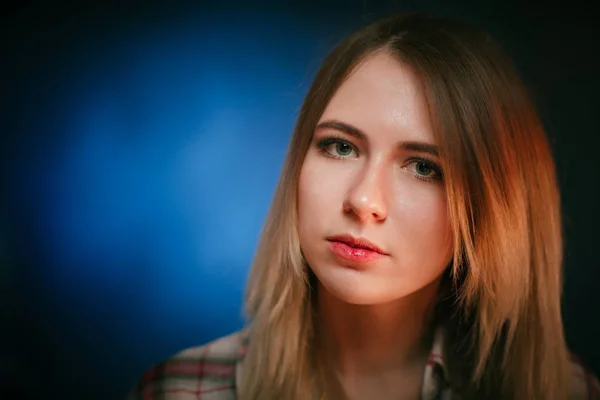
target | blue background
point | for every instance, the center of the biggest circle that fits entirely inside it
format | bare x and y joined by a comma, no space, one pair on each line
141,149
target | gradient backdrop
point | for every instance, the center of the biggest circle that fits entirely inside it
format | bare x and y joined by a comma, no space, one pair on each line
140,150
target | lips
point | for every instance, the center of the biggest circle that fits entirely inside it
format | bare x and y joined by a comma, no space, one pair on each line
358,243
355,250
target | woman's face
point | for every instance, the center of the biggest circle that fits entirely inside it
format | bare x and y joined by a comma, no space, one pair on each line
372,209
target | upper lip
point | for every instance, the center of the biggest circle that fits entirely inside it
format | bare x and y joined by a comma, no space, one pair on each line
361,242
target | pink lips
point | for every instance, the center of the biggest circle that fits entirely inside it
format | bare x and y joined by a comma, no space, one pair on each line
353,249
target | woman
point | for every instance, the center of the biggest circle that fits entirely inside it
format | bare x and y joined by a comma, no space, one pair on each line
413,248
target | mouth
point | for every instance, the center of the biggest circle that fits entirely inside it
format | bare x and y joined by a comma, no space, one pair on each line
357,243
358,250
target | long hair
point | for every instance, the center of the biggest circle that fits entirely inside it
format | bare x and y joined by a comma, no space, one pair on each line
501,311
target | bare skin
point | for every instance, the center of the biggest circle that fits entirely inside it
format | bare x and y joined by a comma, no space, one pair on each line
390,363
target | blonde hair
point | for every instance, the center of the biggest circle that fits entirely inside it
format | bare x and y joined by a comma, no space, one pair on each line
502,306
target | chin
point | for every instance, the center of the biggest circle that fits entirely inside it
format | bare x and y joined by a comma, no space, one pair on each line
355,287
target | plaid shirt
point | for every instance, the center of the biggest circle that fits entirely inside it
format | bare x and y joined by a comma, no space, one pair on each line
212,372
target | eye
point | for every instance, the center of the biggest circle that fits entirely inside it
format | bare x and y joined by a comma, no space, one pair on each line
425,170
343,149
337,148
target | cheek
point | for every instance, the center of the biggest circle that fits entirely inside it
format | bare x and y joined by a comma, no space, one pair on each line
320,193
421,219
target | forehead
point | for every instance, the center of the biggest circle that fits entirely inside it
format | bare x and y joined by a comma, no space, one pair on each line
383,97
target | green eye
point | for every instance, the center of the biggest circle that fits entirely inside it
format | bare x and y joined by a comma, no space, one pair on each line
337,148
343,149
425,170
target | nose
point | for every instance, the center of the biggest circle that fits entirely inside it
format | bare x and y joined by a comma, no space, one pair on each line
366,199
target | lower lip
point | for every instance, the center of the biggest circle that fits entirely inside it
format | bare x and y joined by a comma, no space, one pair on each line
354,254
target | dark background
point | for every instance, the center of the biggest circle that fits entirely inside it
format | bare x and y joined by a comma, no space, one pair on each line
140,147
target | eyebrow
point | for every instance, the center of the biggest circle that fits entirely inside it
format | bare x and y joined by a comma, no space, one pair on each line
357,133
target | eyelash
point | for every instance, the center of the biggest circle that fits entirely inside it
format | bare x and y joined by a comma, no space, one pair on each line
438,177
324,143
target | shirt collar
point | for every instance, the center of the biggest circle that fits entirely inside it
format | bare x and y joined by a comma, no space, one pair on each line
435,381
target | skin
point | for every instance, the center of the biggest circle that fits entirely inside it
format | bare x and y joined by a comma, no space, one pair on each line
374,326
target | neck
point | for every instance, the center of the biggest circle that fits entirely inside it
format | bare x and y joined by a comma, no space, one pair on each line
375,339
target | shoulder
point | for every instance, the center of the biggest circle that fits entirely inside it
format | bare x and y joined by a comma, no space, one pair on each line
584,385
208,372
